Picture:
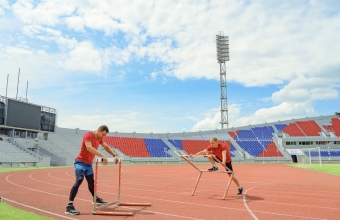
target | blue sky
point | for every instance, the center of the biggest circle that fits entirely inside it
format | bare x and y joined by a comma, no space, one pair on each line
150,66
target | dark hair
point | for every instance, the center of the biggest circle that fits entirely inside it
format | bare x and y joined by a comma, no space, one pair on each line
104,128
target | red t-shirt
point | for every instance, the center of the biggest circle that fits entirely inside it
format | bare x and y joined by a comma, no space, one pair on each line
84,155
218,151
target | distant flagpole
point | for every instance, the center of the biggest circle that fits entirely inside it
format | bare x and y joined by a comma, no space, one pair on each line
26,89
7,85
16,97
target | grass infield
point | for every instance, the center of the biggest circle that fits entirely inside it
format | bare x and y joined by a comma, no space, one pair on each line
333,169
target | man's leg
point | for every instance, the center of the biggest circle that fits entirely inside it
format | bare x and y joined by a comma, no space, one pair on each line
75,187
74,190
79,173
90,183
212,161
234,178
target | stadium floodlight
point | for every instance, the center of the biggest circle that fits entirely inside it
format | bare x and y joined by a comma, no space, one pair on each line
222,46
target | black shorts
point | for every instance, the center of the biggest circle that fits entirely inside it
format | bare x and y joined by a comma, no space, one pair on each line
230,167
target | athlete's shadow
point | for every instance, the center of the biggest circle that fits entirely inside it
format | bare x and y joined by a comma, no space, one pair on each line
107,211
250,198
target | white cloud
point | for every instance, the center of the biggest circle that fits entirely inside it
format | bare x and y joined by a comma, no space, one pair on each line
294,44
45,12
125,120
283,111
213,118
307,88
3,6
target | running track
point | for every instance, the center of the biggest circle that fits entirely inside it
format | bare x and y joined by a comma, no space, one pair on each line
271,191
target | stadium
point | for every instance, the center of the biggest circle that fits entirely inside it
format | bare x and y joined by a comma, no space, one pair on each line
30,138
314,139
120,110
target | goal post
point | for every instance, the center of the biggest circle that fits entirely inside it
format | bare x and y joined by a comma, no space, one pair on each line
310,156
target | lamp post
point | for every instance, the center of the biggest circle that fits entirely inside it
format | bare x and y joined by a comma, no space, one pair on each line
36,144
166,158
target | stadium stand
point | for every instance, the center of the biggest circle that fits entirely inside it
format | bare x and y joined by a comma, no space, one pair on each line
269,142
336,126
14,155
194,146
309,128
156,147
293,130
133,147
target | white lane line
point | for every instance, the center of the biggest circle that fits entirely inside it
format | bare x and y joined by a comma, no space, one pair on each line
245,204
40,210
161,213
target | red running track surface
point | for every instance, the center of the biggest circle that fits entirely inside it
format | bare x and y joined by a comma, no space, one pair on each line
271,191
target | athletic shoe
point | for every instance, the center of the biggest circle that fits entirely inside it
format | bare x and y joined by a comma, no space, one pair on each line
71,210
240,190
213,168
100,201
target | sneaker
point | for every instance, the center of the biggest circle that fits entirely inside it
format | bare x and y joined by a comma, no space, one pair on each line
71,210
100,201
213,168
240,190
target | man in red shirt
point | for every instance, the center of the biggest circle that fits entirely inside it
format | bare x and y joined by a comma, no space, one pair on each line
83,164
222,152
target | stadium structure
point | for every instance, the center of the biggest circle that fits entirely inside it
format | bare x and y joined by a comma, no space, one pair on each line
29,136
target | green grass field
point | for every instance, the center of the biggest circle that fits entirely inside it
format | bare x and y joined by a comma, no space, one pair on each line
333,169
9,212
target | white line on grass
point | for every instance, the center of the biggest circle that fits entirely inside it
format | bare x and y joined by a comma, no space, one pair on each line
41,210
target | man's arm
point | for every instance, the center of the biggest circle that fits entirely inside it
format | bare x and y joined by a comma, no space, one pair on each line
224,156
108,149
203,152
92,150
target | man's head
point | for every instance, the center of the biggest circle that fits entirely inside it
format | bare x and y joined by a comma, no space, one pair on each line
214,142
102,131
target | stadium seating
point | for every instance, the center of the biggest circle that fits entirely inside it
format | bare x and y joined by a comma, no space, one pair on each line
271,151
233,134
293,130
156,147
263,133
309,128
10,152
194,146
333,127
280,127
254,148
336,126
133,147
176,143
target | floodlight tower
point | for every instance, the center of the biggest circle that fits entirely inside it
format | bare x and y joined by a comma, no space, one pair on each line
222,45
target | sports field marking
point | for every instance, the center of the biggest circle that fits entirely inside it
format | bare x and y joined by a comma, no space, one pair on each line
35,208
137,183
36,189
271,213
161,213
307,206
245,203
180,177
173,201
206,196
209,190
